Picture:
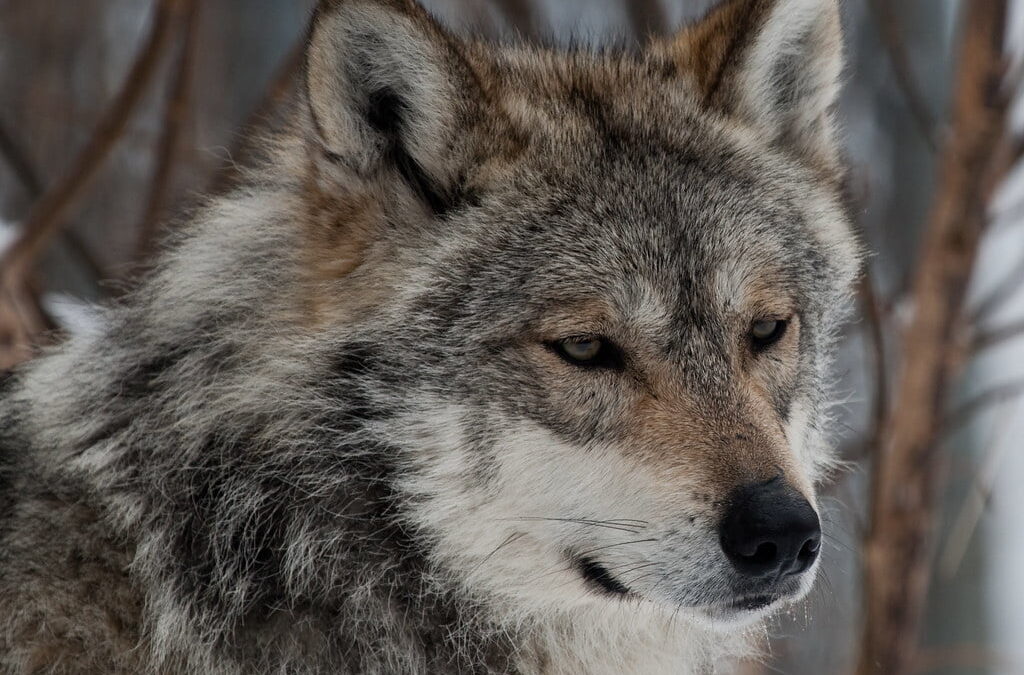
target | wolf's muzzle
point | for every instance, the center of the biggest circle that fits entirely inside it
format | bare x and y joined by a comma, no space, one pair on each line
770,531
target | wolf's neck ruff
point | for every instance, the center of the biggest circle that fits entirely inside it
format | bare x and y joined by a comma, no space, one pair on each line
509,360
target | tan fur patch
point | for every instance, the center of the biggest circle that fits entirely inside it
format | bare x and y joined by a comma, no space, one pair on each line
723,442
339,229
720,445
708,49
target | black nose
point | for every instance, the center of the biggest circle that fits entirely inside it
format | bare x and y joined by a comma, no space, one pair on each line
770,530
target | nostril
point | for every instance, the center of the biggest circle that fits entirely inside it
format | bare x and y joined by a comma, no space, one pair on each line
755,559
807,555
765,554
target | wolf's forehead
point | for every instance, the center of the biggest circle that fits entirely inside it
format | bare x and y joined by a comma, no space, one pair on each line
655,269
704,283
672,227
680,223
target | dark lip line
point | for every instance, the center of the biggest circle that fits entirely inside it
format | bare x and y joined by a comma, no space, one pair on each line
599,576
752,603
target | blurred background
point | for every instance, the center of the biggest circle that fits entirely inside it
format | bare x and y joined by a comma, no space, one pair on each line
117,115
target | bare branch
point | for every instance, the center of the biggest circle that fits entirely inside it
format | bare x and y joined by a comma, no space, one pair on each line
897,560
895,47
175,117
52,208
49,214
1003,291
28,176
997,336
977,499
22,320
873,313
19,163
967,411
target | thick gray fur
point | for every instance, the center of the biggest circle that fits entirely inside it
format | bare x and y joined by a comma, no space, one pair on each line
329,433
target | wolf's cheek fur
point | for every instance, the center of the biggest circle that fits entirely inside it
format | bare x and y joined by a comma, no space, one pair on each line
531,504
514,536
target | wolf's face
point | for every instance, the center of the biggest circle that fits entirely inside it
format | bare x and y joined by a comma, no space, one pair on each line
594,297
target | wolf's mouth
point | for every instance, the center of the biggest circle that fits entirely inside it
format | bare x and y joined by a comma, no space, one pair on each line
598,576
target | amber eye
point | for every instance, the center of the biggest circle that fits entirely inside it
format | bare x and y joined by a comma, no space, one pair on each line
589,351
766,332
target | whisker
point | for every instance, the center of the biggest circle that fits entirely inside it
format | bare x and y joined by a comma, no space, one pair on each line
514,537
632,581
631,567
583,554
664,576
837,543
609,524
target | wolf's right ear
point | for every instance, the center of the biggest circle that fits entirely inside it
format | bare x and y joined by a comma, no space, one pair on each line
388,89
774,63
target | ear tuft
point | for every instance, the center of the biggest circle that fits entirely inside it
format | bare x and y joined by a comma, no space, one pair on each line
776,64
388,90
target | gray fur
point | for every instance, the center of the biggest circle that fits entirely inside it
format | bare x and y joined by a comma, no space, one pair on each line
326,436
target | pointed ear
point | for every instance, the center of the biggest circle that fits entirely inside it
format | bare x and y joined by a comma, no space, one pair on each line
775,63
388,90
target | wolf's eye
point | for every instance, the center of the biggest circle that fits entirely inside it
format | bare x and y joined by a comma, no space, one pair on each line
766,332
589,351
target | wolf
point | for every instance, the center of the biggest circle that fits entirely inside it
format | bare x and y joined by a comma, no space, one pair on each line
506,359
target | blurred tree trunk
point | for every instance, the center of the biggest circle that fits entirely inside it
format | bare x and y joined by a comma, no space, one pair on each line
907,469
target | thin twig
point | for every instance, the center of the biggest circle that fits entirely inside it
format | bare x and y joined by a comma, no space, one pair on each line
52,208
23,169
992,338
971,408
895,47
1008,152
49,214
22,318
978,496
19,162
999,295
175,117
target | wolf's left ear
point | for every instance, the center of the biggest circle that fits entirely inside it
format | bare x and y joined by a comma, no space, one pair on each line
390,94
775,63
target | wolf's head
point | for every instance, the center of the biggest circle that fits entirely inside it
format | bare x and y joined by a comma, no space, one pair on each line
587,298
